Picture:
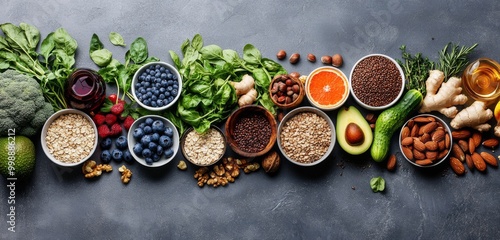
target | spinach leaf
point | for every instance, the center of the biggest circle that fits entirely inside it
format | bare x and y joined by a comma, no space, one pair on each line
101,57
211,52
175,59
116,39
47,47
261,78
197,42
271,65
64,41
15,37
377,184
139,50
251,54
95,43
184,47
230,56
32,35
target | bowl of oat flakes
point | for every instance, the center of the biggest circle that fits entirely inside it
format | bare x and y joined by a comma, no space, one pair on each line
69,137
306,136
203,149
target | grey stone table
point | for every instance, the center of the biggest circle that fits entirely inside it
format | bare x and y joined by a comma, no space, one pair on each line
330,201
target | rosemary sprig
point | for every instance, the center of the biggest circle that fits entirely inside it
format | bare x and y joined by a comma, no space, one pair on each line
416,69
452,63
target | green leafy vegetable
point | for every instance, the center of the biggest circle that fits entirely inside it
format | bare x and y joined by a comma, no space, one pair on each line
51,66
116,39
207,97
139,50
101,57
453,62
377,184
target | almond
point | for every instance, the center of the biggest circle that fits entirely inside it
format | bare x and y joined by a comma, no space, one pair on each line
477,138
425,137
431,155
418,145
447,141
431,146
441,145
442,154
423,162
489,159
429,127
491,143
457,152
391,162
461,134
457,166
414,131
407,141
472,145
405,132
408,153
464,145
469,162
438,135
418,154
424,119
411,123
478,161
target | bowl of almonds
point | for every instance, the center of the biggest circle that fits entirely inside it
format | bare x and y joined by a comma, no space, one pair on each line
425,140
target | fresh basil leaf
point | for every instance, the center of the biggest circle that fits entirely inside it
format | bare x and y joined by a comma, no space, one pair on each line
175,59
197,42
231,56
271,65
261,78
184,47
47,46
189,101
211,52
377,184
139,50
203,89
116,39
251,54
32,35
64,41
101,57
95,43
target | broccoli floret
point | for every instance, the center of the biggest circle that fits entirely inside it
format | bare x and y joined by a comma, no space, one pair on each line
22,105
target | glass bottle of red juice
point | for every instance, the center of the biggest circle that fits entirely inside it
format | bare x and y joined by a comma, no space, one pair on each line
85,90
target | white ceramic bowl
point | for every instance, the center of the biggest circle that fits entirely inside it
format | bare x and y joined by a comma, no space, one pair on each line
447,130
132,141
138,73
312,110
210,152
44,135
400,91
339,73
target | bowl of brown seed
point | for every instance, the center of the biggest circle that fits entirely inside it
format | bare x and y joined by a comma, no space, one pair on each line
376,82
251,131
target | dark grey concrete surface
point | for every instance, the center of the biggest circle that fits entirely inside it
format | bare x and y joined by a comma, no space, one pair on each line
330,201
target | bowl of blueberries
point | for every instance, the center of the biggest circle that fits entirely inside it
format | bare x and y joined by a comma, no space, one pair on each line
156,86
153,140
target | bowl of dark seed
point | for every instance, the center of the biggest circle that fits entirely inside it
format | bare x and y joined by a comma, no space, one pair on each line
376,82
203,149
251,131
306,136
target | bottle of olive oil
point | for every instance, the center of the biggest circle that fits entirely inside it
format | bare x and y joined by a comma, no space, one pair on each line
481,79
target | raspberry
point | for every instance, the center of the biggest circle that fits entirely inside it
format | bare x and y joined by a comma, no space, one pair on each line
110,119
127,123
113,98
117,109
116,130
99,119
103,131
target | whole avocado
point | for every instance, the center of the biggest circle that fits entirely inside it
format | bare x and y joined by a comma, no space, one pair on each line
22,105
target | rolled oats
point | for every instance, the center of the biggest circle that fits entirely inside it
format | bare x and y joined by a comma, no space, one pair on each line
204,149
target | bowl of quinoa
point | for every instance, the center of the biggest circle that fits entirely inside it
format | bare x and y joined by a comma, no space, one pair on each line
306,136
69,137
376,82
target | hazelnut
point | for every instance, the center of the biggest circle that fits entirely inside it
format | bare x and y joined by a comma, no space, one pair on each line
311,57
326,60
281,55
294,58
271,162
337,60
354,134
295,74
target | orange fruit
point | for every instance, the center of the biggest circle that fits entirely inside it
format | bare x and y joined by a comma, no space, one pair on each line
327,88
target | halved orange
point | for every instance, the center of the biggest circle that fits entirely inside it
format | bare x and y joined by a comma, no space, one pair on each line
327,88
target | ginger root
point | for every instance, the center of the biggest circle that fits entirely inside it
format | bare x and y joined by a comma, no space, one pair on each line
245,85
248,98
476,115
442,97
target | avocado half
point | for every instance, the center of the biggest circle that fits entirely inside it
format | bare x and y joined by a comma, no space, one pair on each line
345,116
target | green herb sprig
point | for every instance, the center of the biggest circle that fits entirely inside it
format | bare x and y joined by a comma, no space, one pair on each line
452,62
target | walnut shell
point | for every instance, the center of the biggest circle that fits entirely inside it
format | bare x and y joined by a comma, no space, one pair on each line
271,162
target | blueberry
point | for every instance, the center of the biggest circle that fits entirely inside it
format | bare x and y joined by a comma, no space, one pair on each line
159,103
147,129
149,94
143,91
155,137
157,66
156,92
174,92
169,76
156,157
165,141
146,102
171,98
167,94
127,156
169,88
165,101
153,104
161,96
163,75
169,153
105,156
158,126
152,146
168,132
148,160
159,150
151,67
157,74
148,78
149,121
162,69
137,149
145,140
146,153
117,155
153,98
164,83
138,85
106,143
175,86
142,125
147,70
121,142
142,77
170,82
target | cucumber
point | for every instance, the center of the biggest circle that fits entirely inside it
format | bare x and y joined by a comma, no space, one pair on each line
390,120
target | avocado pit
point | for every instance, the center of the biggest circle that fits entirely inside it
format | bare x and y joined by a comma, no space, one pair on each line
354,134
